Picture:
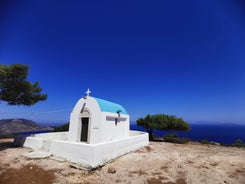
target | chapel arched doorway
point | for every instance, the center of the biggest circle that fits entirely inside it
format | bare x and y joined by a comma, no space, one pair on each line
85,124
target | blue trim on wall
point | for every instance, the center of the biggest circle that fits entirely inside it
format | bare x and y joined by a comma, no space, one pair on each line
106,106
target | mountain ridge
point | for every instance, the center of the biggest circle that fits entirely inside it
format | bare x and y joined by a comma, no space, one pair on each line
18,125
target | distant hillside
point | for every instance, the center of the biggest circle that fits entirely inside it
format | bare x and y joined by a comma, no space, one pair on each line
9,126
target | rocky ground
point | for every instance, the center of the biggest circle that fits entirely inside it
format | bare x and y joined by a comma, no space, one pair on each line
157,163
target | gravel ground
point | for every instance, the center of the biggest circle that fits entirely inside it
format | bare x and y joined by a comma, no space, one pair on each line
157,163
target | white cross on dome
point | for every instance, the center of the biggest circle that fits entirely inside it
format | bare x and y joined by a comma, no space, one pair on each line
88,92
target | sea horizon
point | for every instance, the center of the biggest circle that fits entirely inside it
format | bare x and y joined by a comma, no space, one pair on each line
194,122
225,133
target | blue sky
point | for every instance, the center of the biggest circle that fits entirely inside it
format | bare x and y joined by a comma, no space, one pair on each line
177,57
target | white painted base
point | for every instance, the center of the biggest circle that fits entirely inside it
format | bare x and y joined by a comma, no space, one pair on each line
88,155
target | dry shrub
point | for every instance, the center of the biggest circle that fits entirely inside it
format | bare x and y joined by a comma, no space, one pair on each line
148,148
138,172
160,180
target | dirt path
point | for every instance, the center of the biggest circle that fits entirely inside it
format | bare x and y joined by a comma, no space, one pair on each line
158,163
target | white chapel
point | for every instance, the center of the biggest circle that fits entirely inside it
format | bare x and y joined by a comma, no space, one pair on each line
99,131
94,120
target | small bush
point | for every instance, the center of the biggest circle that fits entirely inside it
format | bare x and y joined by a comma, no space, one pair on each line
238,143
173,138
205,141
62,128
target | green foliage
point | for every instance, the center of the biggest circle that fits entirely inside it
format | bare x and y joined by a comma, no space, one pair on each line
15,89
175,139
205,141
238,143
162,122
63,128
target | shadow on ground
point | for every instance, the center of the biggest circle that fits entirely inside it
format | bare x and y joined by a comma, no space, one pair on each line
6,145
27,174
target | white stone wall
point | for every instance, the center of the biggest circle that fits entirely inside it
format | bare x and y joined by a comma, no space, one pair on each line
88,155
53,136
80,153
93,155
33,143
111,131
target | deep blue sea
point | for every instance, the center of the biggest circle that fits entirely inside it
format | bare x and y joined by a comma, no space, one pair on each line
222,133
31,132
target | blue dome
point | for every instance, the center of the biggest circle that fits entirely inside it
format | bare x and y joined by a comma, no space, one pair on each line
106,106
